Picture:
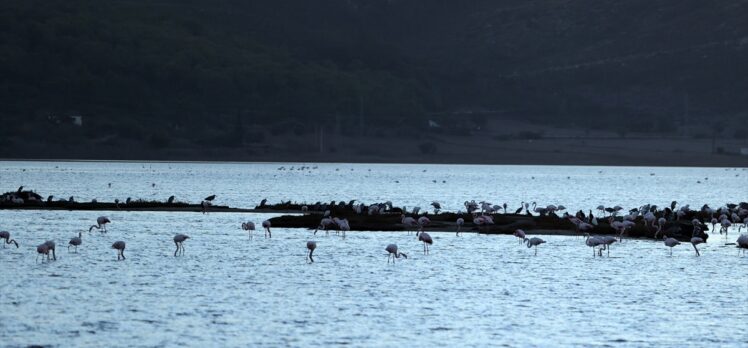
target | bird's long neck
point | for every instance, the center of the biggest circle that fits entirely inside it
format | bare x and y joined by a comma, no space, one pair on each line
9,241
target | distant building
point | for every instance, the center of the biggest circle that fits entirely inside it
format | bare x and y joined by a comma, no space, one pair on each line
77,120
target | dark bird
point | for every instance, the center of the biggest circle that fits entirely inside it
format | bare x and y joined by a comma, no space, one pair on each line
178,240
311,245
171,200
75,242
210,198
20,189
49,199
6,235
120,246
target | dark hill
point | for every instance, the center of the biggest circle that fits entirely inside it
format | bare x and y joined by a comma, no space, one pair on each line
225,73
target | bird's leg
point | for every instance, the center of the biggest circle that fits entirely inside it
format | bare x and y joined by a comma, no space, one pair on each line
177,249
697,250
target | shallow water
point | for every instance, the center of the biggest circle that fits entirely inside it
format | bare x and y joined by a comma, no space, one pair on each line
229,290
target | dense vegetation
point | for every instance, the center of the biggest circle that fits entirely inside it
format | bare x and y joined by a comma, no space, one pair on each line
208,71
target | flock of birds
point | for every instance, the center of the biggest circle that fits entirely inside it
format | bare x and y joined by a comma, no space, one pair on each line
724,216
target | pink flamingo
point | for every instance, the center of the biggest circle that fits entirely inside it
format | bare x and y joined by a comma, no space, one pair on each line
266,226
460,222
426,239
311,245
520,234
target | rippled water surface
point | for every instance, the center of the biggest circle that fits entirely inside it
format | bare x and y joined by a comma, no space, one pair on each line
472,290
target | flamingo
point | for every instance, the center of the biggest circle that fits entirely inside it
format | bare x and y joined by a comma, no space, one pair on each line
696,240
594,242
534,242
427,241
42,249
6,235
325,223
178,241
266,226
520,234
670,242
422,222
460,222
51,247
101,222
393,253
75,242
311,245
742,242
408,222
249,227
120,246
607,240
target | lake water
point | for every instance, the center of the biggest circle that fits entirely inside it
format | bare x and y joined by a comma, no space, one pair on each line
472,290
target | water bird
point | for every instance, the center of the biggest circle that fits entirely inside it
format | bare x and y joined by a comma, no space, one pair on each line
520,234
460,222
101,222
427,241
266,226
696,240
179,242
120,246
75,242
51,247
311,245
42,249
171,199
393,253
534,242
6,235
210,198
249,227
670,243
594,242
408,222
742,242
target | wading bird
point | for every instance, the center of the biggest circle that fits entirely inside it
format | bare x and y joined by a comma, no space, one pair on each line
393,253
520,234
6,235
742,243
249,227
594,242
75,242
51,247
42,249
696,240
427,241
670,243
266,226
534,242
311,245
178,241
120,246
101,222
460,222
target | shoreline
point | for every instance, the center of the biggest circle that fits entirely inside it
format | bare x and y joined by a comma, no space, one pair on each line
307,162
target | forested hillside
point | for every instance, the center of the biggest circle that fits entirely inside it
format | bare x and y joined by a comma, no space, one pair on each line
224,73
